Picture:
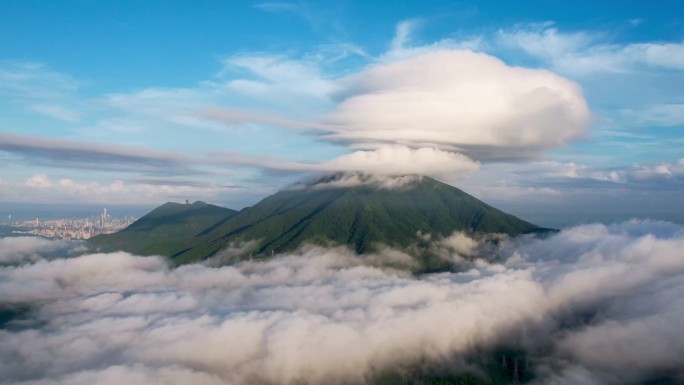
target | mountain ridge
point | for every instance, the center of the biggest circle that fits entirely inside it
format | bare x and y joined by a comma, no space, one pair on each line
165,229
360,213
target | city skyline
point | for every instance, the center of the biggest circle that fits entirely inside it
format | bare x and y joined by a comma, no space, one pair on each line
49,212
68,228
167,103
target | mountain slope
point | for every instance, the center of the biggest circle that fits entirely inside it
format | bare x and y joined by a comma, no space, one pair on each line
170,229
328,212
359,216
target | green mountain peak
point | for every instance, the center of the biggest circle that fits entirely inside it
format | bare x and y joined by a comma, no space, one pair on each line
358,210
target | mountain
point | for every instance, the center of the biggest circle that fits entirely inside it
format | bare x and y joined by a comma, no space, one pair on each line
167,230
362,215
359,213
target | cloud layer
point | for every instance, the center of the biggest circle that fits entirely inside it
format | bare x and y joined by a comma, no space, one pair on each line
583,53
592,304
460,100
429,103
437,111
402,160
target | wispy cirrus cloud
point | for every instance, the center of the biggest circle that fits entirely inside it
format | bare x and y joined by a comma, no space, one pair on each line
280,88
282,75
590,52
434,105
403,45
436,102
33,79
276,6
663,115
39,89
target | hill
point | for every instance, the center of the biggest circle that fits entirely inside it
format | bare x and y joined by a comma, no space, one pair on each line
167,230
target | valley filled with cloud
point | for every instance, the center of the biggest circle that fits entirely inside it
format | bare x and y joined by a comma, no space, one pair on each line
592,304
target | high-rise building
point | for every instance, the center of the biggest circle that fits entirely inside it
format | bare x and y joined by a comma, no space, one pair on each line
104,219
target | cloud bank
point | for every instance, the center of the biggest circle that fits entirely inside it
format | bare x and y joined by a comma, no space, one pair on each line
593,304
439,111
461,101
92,155
402,160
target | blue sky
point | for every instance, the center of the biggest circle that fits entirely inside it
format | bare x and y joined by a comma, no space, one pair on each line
547,109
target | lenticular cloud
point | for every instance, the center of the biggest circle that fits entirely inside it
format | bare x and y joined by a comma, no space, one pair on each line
591,304
459,100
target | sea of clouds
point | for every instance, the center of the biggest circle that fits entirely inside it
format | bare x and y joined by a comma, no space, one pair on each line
592,304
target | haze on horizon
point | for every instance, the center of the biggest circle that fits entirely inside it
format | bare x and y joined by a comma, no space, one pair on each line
559,113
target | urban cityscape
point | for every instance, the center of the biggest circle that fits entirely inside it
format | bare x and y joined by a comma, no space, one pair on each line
68,229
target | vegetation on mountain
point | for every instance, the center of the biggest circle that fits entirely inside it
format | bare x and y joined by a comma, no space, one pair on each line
166,230
360,217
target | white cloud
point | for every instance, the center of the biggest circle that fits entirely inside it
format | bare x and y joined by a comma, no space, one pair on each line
518,180
41,188
403,35
233,117
178,106
382,160
38,89
504,190
434,109
601,303
665,55
18,250
456,247
266,83
401,47
39,181
343,180
296,319
461,100
280,80
655,172
402,160
57,112
276,6
581,53
422,107
87,155
35,80
663,115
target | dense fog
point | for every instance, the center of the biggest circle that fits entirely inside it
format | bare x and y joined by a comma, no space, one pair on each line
592,304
